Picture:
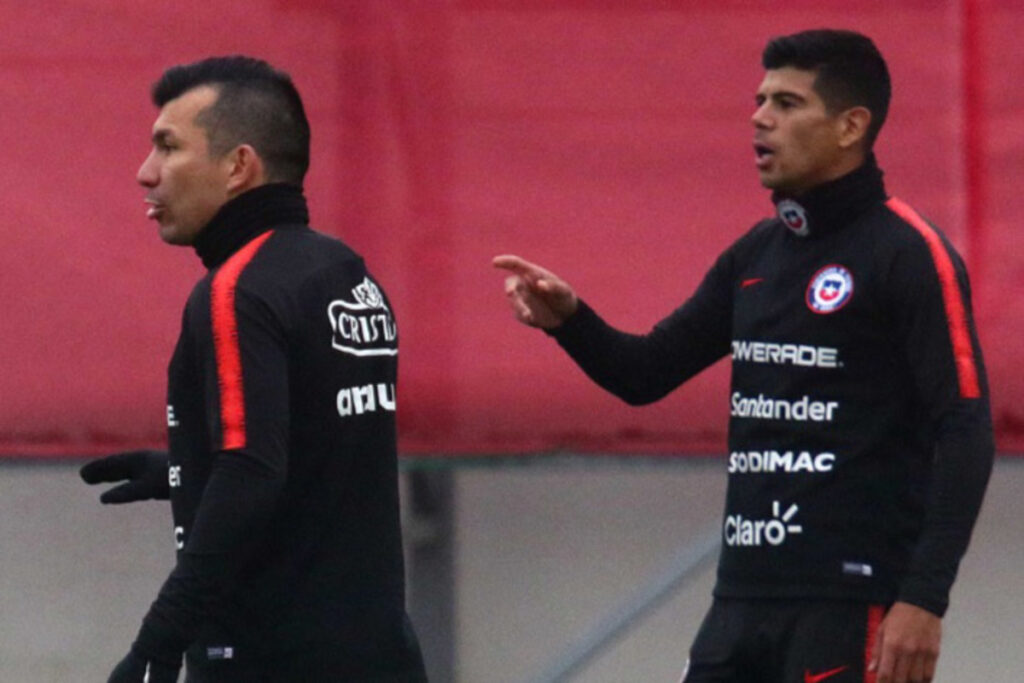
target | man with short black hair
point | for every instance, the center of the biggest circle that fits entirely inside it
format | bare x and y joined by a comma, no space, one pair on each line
282,464
860,434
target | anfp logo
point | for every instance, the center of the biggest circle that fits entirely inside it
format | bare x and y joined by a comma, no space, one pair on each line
830,289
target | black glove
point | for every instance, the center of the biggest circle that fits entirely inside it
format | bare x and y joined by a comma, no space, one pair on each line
132,669
146,472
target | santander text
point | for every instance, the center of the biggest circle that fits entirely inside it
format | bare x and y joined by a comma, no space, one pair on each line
766,408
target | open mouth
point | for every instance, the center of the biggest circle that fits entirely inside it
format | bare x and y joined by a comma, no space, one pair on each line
764,154
155,209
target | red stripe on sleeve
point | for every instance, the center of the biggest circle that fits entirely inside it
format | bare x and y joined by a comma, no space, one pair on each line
956,315
875,615
225,342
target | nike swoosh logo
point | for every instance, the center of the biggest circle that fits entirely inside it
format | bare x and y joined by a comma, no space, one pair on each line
816,678
751,281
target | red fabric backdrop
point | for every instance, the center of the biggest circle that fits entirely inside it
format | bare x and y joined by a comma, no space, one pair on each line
608,140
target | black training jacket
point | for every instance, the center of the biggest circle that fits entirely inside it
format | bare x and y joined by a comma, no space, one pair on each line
283,471
860,437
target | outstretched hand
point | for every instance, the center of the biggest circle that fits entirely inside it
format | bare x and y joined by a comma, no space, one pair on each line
539,298
144,474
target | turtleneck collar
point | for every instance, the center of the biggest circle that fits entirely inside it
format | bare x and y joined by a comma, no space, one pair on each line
276,205
834,205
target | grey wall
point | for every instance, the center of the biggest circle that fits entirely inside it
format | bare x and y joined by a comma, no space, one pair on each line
544,552
539,554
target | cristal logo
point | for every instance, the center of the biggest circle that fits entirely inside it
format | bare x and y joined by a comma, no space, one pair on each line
365,326
739,531
368,294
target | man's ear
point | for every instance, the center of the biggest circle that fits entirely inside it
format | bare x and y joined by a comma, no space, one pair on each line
853,126
245,170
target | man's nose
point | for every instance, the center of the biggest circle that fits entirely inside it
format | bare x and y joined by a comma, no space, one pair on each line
760,117
148,175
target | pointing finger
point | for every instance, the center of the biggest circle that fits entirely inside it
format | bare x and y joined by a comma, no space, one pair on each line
519,266
507,261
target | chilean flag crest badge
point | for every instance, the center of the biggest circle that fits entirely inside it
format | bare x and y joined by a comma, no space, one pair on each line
830,289
794,216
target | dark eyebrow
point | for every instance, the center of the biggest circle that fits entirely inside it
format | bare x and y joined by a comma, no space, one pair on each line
780,95
160,137
791,94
